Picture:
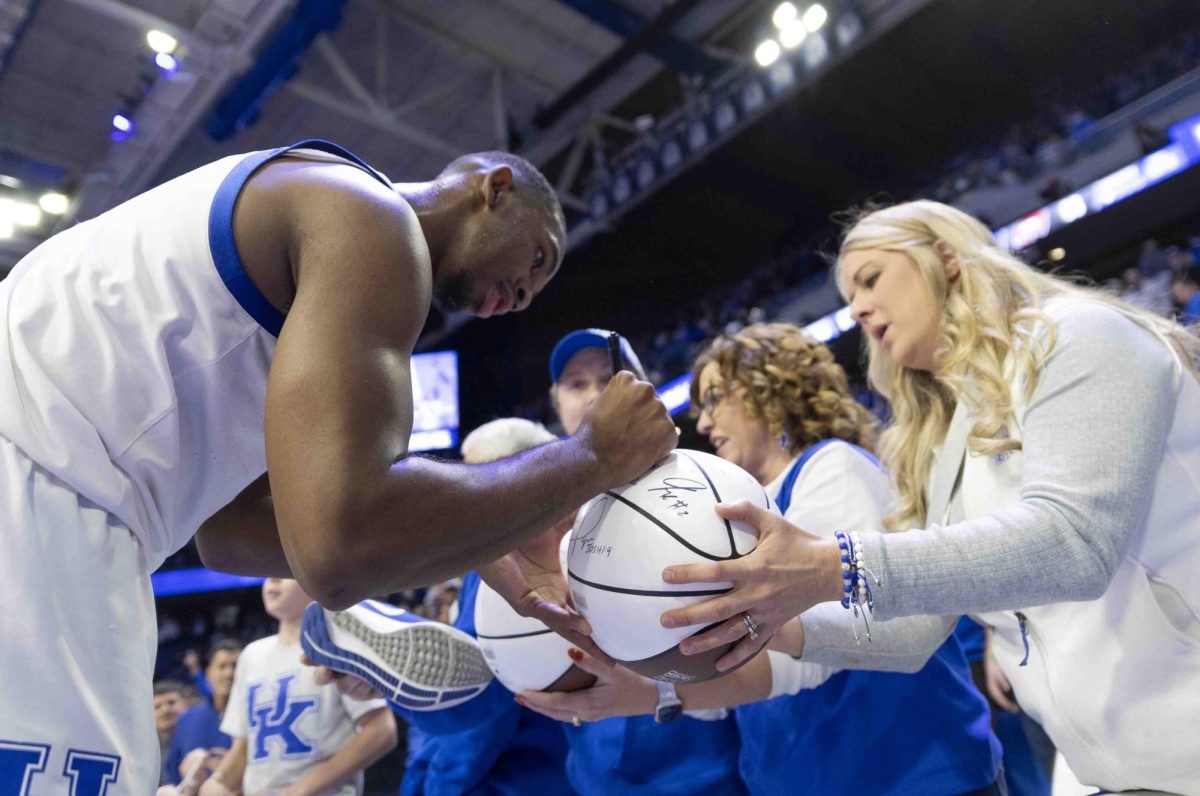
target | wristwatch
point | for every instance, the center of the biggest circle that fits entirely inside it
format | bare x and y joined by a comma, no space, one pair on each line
669,706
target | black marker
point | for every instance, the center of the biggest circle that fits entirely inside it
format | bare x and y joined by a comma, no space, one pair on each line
614,352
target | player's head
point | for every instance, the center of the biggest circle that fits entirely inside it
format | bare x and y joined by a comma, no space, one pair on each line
284,599
510,242
168,704
765,393
502,438
580,370
222,660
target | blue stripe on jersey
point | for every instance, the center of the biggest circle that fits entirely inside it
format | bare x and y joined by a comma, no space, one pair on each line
784,499
220,229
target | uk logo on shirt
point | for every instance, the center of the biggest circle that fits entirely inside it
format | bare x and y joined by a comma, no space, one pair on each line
273,724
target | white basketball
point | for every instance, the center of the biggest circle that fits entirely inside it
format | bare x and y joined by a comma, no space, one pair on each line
622,540
523,653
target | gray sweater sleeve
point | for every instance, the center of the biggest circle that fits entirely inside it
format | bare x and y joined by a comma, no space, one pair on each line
1093,439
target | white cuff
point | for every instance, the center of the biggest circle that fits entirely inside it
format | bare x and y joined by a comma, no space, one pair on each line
790,675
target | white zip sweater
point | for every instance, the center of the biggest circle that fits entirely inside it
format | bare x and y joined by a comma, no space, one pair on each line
1092,532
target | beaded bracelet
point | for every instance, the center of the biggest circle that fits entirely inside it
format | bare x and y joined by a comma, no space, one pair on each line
856,587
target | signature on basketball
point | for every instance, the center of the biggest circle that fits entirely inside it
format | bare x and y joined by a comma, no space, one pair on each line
675,502
585,538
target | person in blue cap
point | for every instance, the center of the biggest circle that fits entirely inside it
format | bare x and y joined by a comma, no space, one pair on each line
670,752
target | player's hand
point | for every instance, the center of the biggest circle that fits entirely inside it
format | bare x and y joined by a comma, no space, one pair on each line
531,580
616,692
789,572
347,684
627,428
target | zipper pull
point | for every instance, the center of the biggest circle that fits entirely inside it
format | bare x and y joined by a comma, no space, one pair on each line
1024,636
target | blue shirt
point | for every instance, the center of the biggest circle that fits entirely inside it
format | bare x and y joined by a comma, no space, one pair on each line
489,745
635,757
970,635
198,728
1191,310
872,732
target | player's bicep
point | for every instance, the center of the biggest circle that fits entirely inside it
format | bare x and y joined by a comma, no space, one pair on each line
339,405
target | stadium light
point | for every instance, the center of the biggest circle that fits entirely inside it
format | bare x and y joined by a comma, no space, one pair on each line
166,62
54,203
122,123
24,214
162,42
784,14
814,17
792,34
767,53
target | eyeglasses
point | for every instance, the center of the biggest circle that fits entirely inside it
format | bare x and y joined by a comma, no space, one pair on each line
710,400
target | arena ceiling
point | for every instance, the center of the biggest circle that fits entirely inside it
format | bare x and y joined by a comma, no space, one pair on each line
407,84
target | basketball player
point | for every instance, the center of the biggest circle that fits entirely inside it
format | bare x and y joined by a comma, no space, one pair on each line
254,315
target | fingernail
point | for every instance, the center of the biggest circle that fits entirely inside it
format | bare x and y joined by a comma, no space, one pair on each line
667,621
668,576
520,700
576,655
686,649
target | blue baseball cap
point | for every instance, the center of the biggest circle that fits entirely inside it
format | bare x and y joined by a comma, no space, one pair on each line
578,340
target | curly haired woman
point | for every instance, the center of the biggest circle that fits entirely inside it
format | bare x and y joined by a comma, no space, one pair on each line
1045,437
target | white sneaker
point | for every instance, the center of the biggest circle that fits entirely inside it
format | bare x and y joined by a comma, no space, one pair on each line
415,662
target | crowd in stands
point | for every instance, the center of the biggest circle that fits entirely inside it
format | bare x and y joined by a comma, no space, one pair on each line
1057,135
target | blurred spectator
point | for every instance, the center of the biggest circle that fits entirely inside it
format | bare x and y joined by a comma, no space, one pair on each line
168,704
1151,293
200,727
1150,139
1186,292
1153,259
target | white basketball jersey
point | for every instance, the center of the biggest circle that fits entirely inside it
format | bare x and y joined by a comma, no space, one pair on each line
136,352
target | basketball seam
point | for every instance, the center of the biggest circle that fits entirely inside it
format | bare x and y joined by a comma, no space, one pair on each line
733,553
515,635
667,528
649,593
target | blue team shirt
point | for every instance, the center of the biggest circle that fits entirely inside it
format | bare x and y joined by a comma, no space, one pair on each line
873,732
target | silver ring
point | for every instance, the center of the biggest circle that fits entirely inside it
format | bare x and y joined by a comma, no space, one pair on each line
577,721
751,626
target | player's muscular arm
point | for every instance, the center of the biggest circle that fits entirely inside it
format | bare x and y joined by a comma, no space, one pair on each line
242,537
357,516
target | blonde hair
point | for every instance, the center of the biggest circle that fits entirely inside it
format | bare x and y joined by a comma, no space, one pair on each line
791,381
990,325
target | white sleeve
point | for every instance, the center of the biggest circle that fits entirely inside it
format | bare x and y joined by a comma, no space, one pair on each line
789,676
357,708
839,489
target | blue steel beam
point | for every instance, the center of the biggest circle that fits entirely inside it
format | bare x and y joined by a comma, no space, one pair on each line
625,22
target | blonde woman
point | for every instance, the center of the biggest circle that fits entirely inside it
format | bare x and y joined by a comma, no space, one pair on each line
1046,437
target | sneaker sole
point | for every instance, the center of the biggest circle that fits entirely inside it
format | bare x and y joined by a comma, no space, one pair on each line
431,668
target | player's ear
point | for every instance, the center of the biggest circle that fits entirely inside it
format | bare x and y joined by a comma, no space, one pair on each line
497,186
